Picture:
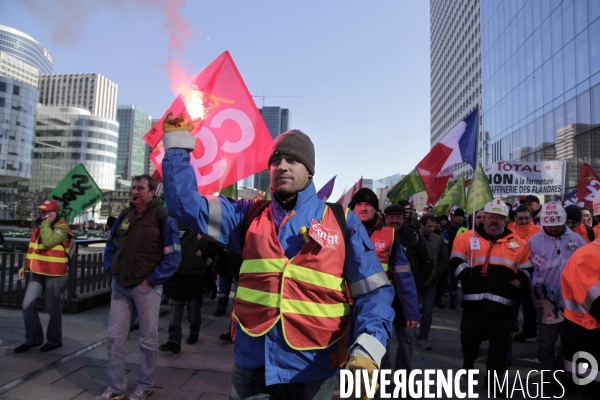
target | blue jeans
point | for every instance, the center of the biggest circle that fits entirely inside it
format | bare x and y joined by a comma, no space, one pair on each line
427,295
54,286
224,289
123,304
250,384
193,311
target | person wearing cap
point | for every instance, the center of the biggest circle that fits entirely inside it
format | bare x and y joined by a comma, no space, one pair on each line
458,221
409,217
580,286
574,217
492,264
47,261
293,326
550,250
525,229
365,205
142,252
533,202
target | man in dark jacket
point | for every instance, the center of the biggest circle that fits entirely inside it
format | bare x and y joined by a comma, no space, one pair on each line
458,221
420,263
185,288
142,252
439,254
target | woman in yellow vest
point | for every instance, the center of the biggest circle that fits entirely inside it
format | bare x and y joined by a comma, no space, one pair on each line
47,262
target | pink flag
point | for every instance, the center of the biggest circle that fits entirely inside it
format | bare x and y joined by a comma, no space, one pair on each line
347,197
232,138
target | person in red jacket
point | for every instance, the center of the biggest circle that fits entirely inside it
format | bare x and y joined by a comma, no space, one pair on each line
47,262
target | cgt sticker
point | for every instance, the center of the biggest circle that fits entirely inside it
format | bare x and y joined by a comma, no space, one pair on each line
328,238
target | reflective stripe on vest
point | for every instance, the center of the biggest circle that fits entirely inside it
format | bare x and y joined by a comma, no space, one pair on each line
488,296
48,261
308,293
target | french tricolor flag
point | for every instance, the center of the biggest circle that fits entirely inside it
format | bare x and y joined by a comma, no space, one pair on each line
459,145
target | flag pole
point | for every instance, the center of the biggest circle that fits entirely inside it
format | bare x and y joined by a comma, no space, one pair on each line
476,171
564,183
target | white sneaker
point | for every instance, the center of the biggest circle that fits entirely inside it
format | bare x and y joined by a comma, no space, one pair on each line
425,344
108,395
140,394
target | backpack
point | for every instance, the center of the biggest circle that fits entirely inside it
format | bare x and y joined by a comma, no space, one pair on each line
259,206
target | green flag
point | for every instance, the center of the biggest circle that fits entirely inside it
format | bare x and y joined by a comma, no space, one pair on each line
230,191
484,193
76,192
267,195
454,196
408,186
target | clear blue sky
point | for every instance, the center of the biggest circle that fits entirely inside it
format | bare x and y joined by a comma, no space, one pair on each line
361,66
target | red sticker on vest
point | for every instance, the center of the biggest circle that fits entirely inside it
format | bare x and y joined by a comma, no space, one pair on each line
328,238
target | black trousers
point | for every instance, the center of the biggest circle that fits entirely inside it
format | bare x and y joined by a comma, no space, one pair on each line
479,325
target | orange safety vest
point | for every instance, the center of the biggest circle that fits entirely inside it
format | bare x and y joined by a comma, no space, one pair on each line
308,293
48,261
525,232
383,239
581,285
582,231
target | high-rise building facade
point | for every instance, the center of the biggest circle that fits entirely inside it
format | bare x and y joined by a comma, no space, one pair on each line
541,82
132,157
24,48
66,137
278,121
455,63
89,91
21,60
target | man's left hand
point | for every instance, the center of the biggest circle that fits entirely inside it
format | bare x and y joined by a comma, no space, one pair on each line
516,283
145,283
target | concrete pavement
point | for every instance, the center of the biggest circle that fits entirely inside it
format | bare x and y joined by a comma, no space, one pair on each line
201,371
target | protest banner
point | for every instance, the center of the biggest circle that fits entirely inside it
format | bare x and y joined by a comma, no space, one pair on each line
76,192
513,178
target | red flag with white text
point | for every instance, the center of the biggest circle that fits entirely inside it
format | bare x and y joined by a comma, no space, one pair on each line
588,185
347,197
232,138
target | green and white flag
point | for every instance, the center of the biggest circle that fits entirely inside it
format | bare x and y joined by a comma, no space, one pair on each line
230,191
76,192
483,192
408,186
454,196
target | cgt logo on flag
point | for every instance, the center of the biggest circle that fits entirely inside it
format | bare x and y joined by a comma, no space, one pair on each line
551,206
232,138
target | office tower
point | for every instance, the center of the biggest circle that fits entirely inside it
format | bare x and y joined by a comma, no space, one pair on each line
541,82
132,153
89,91
277,120
66,137
26,49
21,60
455,63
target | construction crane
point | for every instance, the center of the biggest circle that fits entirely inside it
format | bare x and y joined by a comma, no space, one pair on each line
279,97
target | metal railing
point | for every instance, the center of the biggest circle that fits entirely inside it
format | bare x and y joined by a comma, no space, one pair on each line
85,275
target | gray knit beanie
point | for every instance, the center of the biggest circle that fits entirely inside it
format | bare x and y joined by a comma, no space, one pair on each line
297,144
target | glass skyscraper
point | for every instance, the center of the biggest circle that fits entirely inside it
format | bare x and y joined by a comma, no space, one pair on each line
134,122
277,120
25,48
541,82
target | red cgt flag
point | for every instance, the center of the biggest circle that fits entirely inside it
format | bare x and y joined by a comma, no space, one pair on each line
588,185
232,138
